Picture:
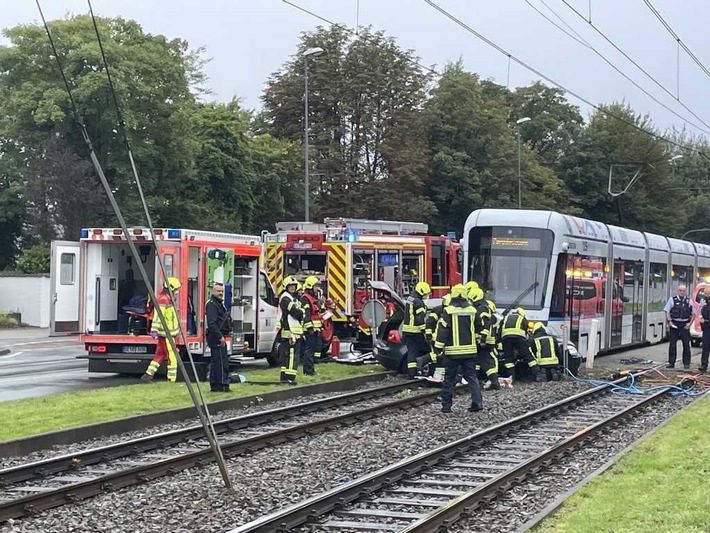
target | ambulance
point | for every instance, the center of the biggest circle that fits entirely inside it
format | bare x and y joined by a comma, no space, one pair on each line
99,293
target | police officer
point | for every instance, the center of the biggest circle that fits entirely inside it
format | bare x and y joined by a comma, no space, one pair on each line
164,350
291,329
547,352
415,326
312,323
515,345
705,326
456,342
219,327
679,316
485,361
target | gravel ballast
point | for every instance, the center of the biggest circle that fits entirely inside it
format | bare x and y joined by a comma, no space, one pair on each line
195,500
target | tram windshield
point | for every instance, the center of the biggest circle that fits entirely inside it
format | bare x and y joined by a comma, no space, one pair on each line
507,260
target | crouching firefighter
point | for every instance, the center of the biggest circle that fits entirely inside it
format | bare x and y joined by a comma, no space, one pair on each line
157,331
312,324
547,352
515,345
486,361
415,325
291,329
456,342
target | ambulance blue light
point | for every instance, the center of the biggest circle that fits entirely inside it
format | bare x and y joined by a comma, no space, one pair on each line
350,236
174,234
84,233
451,235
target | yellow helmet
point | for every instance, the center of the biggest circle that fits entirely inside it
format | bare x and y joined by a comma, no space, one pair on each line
311,281
290,280
458,291
173,283
539,326
520,311
491,306
470,285
475,295
423,288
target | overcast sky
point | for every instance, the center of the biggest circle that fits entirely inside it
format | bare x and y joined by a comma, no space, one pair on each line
249,39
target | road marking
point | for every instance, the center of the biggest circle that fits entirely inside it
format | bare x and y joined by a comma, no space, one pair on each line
2,358
48,341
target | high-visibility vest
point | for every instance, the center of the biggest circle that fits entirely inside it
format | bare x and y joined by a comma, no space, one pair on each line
414,315
171,319
291,316
456,331
546,351
514,326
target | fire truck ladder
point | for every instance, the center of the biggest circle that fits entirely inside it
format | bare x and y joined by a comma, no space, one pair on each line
377,227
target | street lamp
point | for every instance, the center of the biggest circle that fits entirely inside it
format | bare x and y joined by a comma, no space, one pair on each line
682,237
520,187
311,52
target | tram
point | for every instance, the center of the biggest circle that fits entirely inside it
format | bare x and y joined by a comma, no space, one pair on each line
567,272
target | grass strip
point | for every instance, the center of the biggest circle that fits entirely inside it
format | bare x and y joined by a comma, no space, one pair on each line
661,485
31,416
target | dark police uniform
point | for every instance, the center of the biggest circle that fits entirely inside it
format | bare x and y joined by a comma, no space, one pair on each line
219,325
705,313
681,311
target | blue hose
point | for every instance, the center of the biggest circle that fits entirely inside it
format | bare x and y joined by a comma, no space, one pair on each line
632,388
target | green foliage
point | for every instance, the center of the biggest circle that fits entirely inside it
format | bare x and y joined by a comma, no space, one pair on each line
8,322
35,260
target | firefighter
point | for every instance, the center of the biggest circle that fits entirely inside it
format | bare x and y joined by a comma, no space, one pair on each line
219,327
547,352
515,346
485,360
456,342
164,349
430,327
415,326
291,329
312,323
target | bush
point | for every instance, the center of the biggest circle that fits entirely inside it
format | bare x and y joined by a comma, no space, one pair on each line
35,260
7,321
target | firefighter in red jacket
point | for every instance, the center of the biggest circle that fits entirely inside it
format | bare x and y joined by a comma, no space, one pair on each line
312,323
157,331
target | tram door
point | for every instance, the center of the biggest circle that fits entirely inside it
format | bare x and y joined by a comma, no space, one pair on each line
617,304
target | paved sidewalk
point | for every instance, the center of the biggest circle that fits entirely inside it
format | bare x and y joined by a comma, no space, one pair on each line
8,337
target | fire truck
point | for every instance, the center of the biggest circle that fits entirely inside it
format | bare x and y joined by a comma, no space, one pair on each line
345,254
99,292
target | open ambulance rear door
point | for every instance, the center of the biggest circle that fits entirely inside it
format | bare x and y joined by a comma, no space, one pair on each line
64,287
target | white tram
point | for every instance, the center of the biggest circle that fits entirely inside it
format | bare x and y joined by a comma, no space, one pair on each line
566,266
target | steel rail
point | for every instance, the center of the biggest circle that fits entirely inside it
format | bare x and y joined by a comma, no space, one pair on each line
334,499
19,507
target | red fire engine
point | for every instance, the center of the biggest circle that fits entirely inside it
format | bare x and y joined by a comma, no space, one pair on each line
347,253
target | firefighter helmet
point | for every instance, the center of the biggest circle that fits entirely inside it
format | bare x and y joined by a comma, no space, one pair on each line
423,288
311,281
173,283
520,311
470,285
290,280
539,326
492,306
475,295
458,291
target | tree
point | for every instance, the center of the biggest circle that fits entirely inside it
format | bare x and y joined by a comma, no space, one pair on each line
12,212
474,153
35,260
63,194
369,154
153,77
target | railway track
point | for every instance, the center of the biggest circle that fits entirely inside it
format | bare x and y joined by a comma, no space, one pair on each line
53,482
430,491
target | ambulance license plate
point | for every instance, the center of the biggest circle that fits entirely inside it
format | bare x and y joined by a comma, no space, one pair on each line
135,349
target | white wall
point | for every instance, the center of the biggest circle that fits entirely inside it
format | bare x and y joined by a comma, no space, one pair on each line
28,295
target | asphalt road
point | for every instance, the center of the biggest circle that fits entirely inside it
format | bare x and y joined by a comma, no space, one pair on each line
40,365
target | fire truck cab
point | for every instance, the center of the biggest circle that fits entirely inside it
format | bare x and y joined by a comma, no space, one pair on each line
114,310
346,254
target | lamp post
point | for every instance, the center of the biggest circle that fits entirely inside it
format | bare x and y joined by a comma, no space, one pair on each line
520,177
672,161
682,237
311,52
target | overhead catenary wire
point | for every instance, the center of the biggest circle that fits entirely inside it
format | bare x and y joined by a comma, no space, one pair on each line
121,220
678,40
525,65
626,76
635,63
204,412
560,86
